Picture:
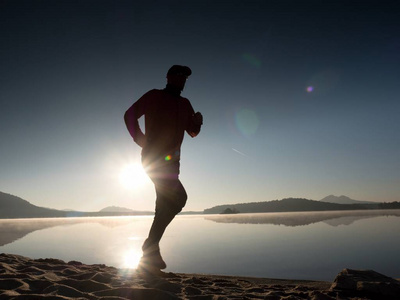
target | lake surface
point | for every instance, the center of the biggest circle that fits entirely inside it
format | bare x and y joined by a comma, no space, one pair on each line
306,245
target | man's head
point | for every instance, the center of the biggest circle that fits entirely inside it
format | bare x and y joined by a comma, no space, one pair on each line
177,76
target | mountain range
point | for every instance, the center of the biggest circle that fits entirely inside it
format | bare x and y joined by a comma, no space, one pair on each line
15,207
300,204
12,207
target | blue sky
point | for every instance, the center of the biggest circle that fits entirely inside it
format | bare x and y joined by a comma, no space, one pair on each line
299,98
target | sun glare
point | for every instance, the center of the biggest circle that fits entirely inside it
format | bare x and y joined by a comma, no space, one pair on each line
133,176
131,259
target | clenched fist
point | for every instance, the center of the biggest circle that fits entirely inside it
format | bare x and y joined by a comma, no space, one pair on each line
198,118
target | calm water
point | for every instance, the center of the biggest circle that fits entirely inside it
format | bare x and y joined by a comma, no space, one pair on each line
308,245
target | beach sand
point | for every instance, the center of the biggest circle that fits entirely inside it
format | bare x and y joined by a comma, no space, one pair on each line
25,278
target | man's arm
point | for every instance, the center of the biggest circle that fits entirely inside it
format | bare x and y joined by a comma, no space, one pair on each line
195,122
131,118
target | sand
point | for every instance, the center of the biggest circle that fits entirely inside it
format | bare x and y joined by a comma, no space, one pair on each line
25,278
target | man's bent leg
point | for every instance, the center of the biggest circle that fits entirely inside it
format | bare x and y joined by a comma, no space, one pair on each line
171,198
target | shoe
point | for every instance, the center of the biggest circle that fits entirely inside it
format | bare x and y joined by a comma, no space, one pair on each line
152,256
146,271
153,260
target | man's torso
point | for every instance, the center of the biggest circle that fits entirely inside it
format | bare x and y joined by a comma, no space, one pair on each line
166,118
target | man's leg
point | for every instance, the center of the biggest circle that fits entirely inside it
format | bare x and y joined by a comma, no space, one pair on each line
171,198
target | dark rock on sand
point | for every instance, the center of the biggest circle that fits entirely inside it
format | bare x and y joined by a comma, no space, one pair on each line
366,283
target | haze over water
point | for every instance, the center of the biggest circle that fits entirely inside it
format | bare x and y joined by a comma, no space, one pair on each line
309,245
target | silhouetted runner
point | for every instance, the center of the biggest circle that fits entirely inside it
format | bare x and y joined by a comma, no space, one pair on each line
167,117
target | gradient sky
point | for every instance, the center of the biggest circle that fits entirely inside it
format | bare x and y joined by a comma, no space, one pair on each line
299,98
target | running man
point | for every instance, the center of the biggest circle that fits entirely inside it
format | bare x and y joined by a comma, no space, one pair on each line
167,116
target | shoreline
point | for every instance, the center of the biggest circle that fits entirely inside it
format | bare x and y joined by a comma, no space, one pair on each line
25,278
82,215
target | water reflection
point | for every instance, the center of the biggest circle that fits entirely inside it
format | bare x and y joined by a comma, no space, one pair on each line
292,219
309,245
12,230
131,259
114,241
15,229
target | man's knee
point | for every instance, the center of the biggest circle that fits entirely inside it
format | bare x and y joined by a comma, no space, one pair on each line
183,197
171,196
178,196
171,205
178,202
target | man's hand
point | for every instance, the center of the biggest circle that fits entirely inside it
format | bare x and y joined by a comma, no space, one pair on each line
198,119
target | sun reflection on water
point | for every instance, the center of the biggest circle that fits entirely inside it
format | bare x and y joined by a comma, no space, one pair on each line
131,259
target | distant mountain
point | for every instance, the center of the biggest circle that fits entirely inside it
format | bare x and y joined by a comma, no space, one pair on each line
116,209
344,200
14,207
292,205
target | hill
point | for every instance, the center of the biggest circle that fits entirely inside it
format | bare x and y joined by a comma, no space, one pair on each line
289,205
116,209
344,200
14,207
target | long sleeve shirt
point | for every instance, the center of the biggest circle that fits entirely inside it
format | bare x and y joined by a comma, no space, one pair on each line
167,117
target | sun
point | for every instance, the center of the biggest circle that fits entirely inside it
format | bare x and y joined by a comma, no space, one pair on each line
133,176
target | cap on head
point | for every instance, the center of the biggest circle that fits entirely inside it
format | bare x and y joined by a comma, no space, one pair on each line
179,70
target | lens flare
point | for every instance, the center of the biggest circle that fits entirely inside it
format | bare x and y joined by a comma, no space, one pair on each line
168,157
310,89
247,121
